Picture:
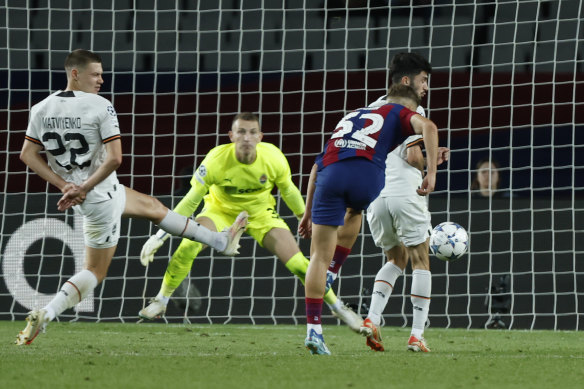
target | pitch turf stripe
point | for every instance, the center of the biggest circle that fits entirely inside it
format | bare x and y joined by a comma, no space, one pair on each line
76,288
385,282
107,140
33,140
422,297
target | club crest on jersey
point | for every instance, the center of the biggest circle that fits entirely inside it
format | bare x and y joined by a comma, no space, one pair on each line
349,144
111,110
263,179
202,171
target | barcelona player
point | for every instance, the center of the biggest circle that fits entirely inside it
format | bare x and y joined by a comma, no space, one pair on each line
350,174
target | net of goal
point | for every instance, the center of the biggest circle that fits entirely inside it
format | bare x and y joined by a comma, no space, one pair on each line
506,85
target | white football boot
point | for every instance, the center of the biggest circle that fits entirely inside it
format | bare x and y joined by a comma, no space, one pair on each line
36,322
234,234
350,318
154,310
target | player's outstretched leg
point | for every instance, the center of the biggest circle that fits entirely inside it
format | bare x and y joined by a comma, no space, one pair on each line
36,322
234,234
373,334
178,268
298,265
347,315
315,344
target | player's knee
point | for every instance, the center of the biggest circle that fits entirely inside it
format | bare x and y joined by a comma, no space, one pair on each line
157,205
153,208
399,256
401,261
420,258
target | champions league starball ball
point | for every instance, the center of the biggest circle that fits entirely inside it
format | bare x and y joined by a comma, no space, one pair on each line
448,241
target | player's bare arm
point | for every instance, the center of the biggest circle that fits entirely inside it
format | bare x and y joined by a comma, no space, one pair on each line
305,225
416,157
429,131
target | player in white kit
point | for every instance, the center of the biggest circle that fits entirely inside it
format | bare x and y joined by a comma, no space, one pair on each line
80,133
399,218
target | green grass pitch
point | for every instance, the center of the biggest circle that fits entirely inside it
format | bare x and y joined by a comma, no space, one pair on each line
146,355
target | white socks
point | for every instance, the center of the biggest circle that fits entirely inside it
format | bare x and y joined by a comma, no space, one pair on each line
316,327
179,225
73,291
420,297
384,282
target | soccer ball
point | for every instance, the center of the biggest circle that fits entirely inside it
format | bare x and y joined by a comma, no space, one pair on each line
448,241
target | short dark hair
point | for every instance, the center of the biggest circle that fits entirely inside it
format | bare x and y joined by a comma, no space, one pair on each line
408,64
397,90
80,59
247,116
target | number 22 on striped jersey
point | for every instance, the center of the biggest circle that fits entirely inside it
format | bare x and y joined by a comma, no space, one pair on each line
345,126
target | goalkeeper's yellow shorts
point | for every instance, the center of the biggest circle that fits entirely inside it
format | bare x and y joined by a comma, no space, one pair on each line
260,221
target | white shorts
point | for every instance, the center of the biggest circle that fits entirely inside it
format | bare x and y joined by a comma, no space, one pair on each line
399,219
102,221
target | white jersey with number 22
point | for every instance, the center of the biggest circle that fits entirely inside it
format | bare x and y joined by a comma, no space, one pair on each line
73,127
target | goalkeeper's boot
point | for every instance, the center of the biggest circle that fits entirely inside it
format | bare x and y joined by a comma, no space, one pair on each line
418,344
348,316
373,334
315,344
234,234
154,310
36,322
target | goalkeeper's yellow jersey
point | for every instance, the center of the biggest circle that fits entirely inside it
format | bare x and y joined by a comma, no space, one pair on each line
232,186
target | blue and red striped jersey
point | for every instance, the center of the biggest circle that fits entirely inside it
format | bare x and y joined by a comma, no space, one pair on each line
368,133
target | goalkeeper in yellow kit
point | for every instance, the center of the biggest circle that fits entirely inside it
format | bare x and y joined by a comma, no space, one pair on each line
232,178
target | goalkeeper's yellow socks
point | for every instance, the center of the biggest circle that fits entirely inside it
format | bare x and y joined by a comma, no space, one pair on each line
298,265
164,294
336,303
166,291
179,266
